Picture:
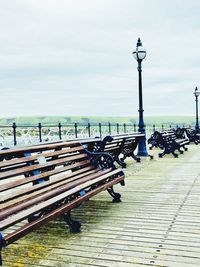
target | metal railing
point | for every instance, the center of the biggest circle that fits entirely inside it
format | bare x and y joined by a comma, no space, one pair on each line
13,135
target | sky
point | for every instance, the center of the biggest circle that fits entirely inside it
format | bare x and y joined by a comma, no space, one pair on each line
74,57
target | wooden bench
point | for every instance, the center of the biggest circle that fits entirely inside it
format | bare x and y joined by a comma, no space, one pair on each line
153,140
121,147
192,135
40,183
169,142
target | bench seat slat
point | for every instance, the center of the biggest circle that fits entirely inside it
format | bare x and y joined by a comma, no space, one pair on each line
39,197
46,193
10,238
25,213
115,146
114,143
27,193
128,136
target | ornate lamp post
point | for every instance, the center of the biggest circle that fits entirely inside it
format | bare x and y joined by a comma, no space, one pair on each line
196,94
139,54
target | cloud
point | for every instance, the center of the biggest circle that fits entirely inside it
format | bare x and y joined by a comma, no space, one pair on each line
74,57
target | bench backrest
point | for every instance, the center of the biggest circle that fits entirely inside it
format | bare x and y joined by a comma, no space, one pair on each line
161,138
115,143
20,172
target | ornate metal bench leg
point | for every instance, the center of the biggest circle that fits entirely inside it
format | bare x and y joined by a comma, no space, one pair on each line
175,154
167,150
116,196
181,151
161,154
1,245
137,159
121,163
74,225
122,159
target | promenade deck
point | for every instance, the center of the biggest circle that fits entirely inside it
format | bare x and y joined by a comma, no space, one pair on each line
156,224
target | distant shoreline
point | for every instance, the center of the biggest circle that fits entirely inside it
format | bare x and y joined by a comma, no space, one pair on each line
149,120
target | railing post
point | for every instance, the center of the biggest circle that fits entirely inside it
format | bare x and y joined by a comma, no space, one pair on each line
14,126
89,129
75,128
134,127
40,131
109,128
124,127
117,128
60,130
100,133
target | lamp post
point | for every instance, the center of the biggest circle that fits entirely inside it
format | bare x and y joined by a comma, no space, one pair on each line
196,94
139,54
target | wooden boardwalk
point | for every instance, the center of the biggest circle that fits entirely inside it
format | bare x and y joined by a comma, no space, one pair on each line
157,224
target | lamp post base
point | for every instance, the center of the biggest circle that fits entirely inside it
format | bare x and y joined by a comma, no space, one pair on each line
142,148
142,154
197,129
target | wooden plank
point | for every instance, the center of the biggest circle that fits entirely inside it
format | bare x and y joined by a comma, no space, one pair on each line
23,181
56,162
28,193
32,149
24,214
21,160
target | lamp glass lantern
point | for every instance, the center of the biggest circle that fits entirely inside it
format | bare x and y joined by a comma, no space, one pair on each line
196,92
140,53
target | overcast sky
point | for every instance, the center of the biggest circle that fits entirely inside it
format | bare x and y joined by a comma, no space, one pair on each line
73,57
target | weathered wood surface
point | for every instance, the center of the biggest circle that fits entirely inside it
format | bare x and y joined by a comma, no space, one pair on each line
157,224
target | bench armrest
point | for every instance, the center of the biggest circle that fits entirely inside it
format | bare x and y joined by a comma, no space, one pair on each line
101,160
104,142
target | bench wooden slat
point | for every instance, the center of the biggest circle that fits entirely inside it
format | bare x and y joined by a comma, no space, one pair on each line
37,148
23,181
10,238
27,193
42,195
53,163
21,160
25,213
